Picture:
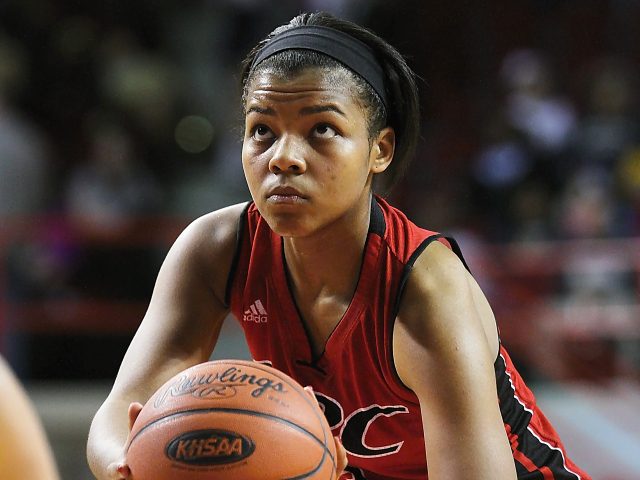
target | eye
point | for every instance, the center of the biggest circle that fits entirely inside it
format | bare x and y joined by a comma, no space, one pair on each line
261,133
323,130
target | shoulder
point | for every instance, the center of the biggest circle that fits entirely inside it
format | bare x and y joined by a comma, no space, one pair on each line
436,285
442,315
215,229
212,235
403,237
437,270
206,247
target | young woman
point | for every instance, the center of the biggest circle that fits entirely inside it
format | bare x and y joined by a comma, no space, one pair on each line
334,286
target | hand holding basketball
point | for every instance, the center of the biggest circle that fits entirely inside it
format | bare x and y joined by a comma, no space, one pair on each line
231,419
118,469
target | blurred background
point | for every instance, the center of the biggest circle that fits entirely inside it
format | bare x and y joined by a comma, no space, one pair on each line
120,123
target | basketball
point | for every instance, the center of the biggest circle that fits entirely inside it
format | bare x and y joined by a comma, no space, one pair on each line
231,419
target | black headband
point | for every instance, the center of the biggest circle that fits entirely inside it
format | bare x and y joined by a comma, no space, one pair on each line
338,45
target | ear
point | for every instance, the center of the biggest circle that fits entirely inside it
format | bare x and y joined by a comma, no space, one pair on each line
381,153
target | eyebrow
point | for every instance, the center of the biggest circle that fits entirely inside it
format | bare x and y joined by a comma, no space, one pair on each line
261,110
320,109
303,111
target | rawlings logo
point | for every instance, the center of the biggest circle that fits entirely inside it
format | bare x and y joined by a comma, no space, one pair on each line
219,384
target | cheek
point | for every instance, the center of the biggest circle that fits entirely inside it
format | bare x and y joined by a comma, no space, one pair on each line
249,169
330,172
349,162
250,158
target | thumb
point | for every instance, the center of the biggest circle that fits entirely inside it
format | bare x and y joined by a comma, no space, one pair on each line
134,411
341,457
118,471
123,471
309,391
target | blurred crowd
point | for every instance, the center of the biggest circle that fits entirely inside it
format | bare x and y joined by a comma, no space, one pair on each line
115,111
122,109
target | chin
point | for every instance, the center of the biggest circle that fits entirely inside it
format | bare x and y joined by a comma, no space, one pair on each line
287,225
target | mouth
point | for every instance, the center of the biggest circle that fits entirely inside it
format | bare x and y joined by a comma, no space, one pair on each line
285,195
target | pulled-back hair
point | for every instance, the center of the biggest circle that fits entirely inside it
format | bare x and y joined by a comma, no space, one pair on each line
403,112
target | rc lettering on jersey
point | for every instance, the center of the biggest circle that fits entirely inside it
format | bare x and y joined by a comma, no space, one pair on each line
352,473
355,427
331,408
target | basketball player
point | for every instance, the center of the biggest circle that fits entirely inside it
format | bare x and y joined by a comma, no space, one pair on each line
337,288
25,453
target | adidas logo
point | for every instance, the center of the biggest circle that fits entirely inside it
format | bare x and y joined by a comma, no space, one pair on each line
255,313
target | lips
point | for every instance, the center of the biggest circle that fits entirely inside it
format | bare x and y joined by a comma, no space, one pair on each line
285,194
282,191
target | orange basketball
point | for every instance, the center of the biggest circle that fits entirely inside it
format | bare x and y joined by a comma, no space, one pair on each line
231,419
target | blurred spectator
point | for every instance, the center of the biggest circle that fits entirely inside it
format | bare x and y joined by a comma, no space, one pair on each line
587,208
109,197
594,278
533,104
203,188
503,161
600,198
24,187
609,125
628,177
530,211
141,84
112,188
502,164
23,150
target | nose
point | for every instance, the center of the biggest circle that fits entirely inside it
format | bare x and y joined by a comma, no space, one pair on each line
288,156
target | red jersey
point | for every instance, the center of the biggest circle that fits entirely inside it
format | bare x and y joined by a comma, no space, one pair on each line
377,418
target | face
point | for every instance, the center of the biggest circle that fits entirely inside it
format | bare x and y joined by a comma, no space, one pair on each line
306,154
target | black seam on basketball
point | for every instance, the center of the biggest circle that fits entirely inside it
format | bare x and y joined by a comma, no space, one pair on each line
295,426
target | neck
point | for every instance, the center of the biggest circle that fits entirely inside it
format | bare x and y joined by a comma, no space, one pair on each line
329,262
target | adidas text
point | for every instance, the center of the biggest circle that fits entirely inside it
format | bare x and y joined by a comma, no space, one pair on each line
250,317
256,313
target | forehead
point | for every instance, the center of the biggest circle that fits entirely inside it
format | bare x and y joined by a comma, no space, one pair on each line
312,84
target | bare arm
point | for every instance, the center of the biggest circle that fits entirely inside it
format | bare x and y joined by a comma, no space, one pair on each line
24,451
180,329
445,343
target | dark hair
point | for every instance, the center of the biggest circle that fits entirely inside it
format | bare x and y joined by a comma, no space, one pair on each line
403,114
